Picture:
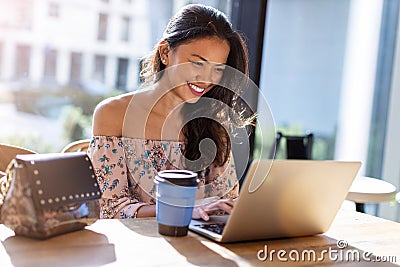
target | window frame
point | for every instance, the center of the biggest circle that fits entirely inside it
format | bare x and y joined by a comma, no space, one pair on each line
254,31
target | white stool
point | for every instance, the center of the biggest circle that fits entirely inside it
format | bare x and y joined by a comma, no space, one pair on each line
370,190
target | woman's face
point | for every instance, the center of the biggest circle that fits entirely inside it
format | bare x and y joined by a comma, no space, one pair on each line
194,68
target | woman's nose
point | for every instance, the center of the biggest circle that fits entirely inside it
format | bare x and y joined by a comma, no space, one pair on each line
208,76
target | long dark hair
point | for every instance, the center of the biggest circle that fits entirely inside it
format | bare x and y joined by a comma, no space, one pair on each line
190,23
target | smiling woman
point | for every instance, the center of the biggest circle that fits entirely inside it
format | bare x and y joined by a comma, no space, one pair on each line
182,78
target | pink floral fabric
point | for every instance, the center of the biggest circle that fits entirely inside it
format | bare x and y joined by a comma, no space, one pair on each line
125,169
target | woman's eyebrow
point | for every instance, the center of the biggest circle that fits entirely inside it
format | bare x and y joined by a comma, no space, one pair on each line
203,59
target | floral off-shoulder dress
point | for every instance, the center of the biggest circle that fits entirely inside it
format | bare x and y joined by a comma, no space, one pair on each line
125,169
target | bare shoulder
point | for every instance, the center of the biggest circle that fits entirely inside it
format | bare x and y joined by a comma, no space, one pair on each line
109,115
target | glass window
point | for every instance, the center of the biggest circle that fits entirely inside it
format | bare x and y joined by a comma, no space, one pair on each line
123,64
125,28
99,68
76,67
22,63
50,64
301,74
102,28
54,10
327,69
311,65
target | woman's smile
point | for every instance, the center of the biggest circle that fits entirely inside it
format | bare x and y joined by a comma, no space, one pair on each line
196,90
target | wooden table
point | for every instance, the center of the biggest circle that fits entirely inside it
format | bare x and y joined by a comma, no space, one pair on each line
136,242
370,190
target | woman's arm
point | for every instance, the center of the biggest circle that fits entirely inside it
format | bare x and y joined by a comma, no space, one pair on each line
223,183
146,211
108,159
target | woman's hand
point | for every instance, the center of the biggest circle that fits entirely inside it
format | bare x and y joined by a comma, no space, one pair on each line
202,211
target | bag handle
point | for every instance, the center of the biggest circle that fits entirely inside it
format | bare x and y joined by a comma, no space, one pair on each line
5,181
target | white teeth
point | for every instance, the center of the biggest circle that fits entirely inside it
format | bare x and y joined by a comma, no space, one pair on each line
196,88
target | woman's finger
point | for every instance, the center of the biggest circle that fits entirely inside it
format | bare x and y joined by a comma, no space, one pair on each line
200,213
225,206
227,201
230,202
220,205
203,214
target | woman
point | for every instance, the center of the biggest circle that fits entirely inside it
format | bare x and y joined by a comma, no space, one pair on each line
132,140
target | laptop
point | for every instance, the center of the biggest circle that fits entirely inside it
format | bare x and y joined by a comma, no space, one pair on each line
281,199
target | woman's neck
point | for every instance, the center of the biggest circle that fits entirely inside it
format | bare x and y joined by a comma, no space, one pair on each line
165,100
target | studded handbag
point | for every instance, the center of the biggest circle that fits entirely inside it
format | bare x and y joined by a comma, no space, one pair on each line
44,195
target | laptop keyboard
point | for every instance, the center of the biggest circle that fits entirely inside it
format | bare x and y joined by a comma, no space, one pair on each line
213,227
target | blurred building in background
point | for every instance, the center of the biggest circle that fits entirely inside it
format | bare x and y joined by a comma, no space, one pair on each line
93,43
59,59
